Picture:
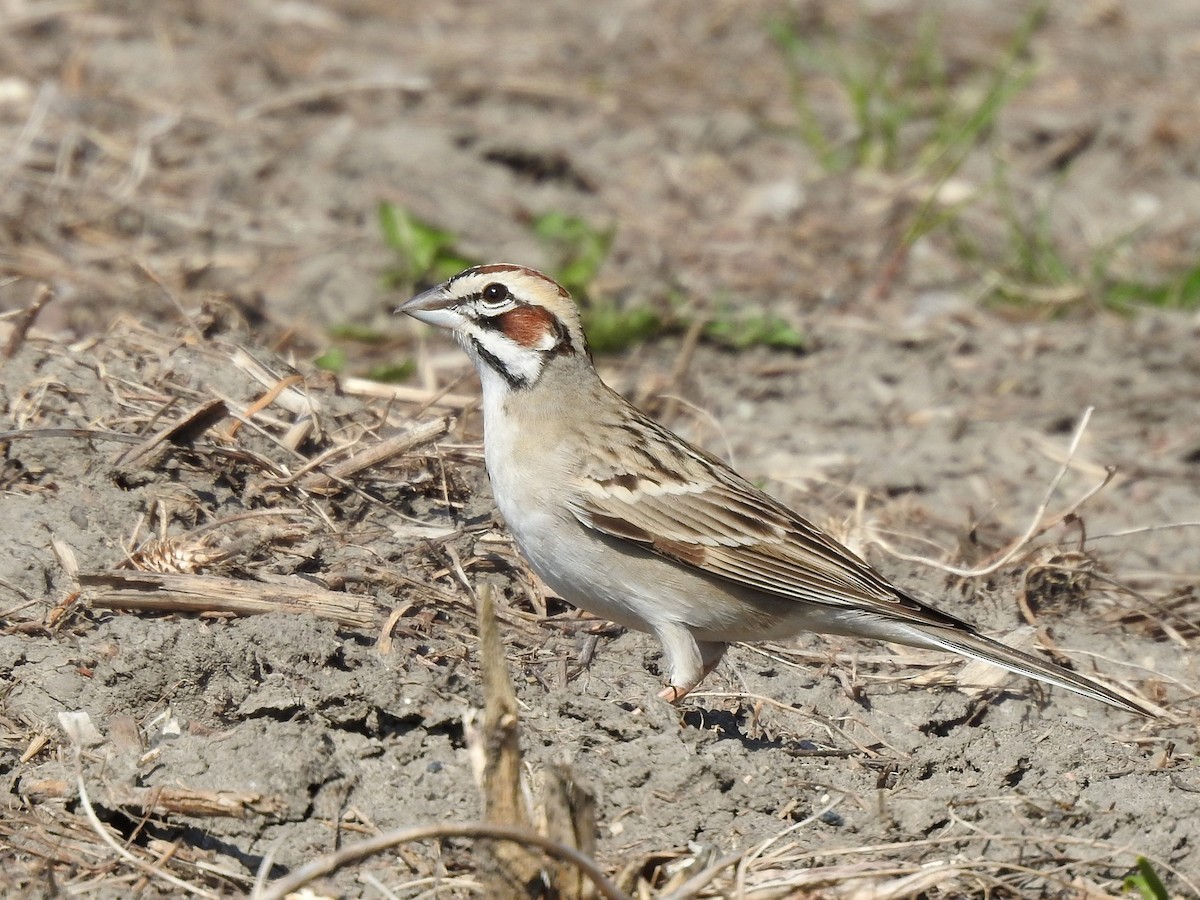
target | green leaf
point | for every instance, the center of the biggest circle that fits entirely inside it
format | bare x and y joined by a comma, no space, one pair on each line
1181,292
390,373
353,331
554,226
389,224
447,265
761,331
424,251
610,330
581,249
332,360
1146,882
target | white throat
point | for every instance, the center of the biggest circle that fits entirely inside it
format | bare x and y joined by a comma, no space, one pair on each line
497,355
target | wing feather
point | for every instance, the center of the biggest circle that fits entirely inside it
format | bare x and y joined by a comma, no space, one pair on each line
704,515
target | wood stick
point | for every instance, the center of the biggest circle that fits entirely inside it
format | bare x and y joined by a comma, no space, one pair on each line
332,478
514,867
119,589
183,432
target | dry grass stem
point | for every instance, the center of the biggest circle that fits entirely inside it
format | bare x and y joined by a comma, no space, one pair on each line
162,800
860,749
330,863
283,389
362,387
212,595
145,267
410,84
181,433
376,455
1144,529
1038,524
152,870
270,396
25,319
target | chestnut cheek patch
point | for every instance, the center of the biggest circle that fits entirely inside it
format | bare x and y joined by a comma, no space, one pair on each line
530,327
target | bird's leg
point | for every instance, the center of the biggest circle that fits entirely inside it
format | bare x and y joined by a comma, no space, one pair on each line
673,693
690,663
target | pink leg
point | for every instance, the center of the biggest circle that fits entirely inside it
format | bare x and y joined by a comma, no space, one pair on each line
709,653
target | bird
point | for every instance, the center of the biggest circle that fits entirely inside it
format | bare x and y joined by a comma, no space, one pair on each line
627,520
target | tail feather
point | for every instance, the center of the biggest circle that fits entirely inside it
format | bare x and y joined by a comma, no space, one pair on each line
976,646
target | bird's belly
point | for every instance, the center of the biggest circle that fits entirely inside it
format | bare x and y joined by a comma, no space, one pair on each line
565,559
641,590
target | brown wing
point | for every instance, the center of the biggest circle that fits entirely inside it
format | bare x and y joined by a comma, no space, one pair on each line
690,507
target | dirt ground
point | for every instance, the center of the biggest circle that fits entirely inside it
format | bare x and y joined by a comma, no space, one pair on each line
192,188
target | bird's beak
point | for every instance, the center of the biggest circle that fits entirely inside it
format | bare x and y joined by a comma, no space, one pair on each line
434,307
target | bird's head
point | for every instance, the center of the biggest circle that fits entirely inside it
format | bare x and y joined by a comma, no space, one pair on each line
510,319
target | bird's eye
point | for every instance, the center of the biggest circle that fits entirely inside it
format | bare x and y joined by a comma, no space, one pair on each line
495,293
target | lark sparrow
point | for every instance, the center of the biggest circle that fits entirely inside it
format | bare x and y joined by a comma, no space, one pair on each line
629,521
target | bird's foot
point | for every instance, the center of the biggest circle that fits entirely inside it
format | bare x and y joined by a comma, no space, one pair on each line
674,693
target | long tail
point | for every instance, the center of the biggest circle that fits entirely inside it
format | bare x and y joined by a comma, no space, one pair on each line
976,646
